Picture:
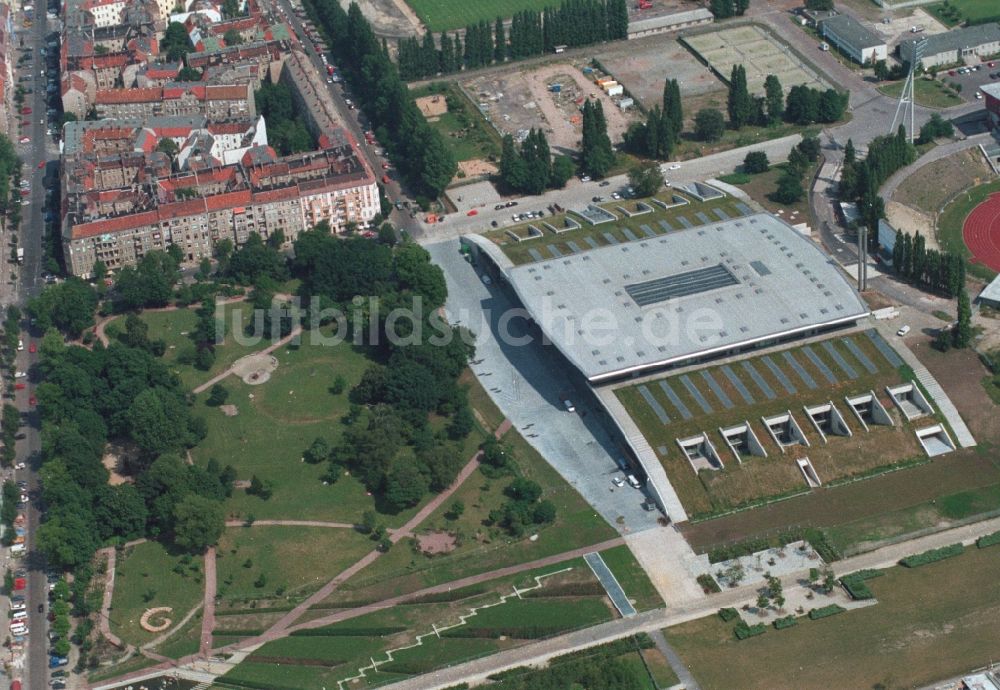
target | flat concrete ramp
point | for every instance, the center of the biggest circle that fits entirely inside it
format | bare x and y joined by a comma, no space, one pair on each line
667,227
720,214
684,221
592,242
653,403
700,215
743,208
737,384
803,374
647,231
629,235
859,355
611,239
820,364
536,255
717,389
610,584
675,400
838,358
553,250
574,247
759,381
890,355
696,394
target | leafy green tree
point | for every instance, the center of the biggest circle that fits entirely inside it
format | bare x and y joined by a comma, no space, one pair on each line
68,306
673,110
119,511
739,104
963,328
596,152
709,124
198,523
774,99
189,74
230,8
789,189
318,451
176,43
157,419
563,168
232,37
646,179
149,284
405,486
756,162
218,395
819,5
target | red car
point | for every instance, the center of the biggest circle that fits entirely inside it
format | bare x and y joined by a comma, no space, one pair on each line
26,111
41,165
385,179
473,212
19,386
26,123
32,347
25,192
32,401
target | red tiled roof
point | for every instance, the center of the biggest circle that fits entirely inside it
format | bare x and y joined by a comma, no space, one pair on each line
179,209
280,194
111,225
225,92
105,61
218,202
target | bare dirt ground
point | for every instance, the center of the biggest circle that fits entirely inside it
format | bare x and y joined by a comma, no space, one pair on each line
477,167
910,220
928,188
115,456
432,106
391,18
960,373
514,109
229,410
644,70
256,368
898,29
436,542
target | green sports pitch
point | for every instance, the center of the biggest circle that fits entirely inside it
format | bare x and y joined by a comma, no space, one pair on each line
445,15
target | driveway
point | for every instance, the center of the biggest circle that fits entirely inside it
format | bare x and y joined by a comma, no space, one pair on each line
528,383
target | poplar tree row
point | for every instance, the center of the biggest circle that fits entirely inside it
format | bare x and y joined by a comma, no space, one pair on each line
574,23
942,272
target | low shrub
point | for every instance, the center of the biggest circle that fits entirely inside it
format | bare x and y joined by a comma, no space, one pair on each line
743,631
708,584
825,611
728,614
932,556
786,622
988,540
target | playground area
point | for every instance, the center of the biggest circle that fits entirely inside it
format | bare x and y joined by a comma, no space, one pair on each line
759,52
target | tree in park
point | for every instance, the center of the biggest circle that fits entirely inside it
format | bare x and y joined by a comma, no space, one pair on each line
673,110
963,329
318,451
198,523
819,5
405,485
897,253
881,70
774,99
646,179
596,152
756,162
499,41
789,189
563,168
232,37
176,43
218,395
230,8
68,307
709,124
158,420
739,104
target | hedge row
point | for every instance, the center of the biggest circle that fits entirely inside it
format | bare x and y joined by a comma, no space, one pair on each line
708,584
568,589
743,631
450,595
350,632
932,556
728,614
786,622
816,538
260,609
239,632
527,632
988,540
855,583
825,611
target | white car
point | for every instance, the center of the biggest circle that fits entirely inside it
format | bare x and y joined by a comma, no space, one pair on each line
486,280
633,482
618,481
20,466
20,374
674,166
585,178
20,345
903,331
616,195
568,404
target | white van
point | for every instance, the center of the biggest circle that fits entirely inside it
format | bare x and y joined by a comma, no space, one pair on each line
20,615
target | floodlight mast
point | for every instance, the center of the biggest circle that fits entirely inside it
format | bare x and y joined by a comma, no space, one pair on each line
906,96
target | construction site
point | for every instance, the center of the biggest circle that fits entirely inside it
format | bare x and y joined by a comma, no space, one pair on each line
550,98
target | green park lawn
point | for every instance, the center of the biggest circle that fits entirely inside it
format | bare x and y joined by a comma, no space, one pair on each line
972,11
463,128
185,641
931,93
439,15
149,569
261,561
932,622
632,578
481,548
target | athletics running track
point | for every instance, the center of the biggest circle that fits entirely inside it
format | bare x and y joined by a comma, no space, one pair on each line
981,232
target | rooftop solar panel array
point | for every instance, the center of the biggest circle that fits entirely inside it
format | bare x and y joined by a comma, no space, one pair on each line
681,285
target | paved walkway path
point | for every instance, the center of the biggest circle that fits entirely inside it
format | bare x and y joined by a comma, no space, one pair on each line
266,351
291,523
676,663
540,652
963,436
208,619
109,592
174,628
103,323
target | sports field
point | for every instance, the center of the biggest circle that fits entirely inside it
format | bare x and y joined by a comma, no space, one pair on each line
981,233
952,221
972,11
441,15
930,623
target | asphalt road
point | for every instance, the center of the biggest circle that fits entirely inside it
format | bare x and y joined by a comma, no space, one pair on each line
29,449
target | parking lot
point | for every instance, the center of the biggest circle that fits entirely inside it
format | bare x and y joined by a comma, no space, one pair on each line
972,77
529,383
